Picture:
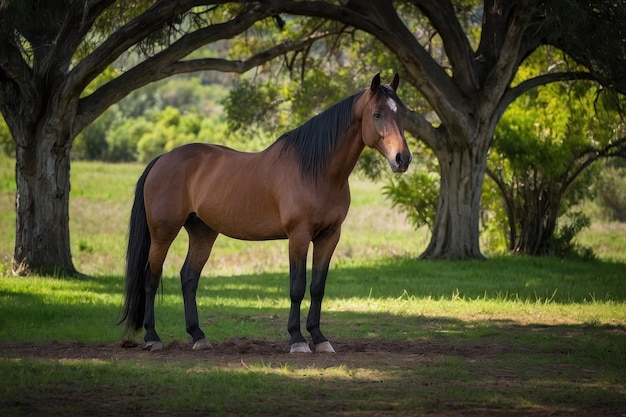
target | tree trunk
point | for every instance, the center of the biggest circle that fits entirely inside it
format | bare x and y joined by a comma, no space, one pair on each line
42,239
537,221
456,228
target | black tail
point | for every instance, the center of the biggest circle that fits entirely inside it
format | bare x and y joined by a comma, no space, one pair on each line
137,259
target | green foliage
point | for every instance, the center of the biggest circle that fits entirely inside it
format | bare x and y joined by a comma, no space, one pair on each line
282,95
93,142
542,160
494,219
249,106
415,194
611,191
155,119
544,129
564,244
122,140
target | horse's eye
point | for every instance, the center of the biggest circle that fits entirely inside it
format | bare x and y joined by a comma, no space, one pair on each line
377,115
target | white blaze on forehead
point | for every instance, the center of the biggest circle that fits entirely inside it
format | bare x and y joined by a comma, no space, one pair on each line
392,104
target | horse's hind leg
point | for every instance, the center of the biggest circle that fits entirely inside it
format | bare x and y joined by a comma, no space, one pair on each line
154,270
201,239
162,235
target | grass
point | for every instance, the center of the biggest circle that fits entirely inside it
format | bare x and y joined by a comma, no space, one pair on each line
510,336
381,301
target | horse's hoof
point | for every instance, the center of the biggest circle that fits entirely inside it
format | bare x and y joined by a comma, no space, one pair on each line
300,347
153,346
202,344
324,347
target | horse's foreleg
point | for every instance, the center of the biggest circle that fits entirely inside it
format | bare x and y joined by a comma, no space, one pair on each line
298,249
323,249
201,239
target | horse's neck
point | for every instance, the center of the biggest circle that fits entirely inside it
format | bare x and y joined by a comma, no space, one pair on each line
347,154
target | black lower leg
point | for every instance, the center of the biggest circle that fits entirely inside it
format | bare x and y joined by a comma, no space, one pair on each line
297,289
318,285
151,287
293,326
189,281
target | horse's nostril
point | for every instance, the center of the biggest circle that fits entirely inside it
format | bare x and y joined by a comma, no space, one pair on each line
402,158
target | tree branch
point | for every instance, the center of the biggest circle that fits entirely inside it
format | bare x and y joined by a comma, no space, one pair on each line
458,49
379,18
501,75
513,93
18,91
613,149
124,38
75,26
421,128
95,104
509,204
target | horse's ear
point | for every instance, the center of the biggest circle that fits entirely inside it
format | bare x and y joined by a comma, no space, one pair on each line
395,82
375,84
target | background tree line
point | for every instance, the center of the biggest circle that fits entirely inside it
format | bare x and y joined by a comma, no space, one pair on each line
537,139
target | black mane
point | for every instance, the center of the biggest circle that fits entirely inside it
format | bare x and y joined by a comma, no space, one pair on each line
316,139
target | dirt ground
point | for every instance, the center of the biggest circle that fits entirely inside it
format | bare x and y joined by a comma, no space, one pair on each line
238,352
235,349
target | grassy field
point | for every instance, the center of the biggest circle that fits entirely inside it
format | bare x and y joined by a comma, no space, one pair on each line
510,336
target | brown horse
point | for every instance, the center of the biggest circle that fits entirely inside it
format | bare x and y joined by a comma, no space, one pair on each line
296,189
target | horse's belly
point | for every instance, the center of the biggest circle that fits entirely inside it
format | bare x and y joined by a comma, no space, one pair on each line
244,224
248,231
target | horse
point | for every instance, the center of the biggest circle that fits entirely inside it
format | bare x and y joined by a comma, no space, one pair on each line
295,189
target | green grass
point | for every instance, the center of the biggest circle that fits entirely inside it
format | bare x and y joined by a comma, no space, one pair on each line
382,300
509,336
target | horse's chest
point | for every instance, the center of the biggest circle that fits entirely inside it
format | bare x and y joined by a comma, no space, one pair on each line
330,211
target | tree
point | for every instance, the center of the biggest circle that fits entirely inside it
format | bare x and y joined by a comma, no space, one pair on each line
545,146
51,56
467,79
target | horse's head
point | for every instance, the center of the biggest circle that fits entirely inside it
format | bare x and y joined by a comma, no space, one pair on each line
382,122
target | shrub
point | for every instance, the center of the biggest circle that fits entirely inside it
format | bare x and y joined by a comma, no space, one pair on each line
611,191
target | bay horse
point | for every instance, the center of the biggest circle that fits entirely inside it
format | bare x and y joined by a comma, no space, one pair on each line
295,189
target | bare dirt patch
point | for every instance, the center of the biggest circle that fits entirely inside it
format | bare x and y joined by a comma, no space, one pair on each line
236,349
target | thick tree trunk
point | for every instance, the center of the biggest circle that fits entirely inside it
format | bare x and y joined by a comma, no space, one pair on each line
42,242
456,228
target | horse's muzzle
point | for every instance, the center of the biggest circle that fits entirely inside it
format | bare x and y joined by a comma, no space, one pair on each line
402,162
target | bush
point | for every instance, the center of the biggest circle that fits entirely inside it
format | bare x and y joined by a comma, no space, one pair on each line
416,194
563,241
91,144
122,141
611,191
